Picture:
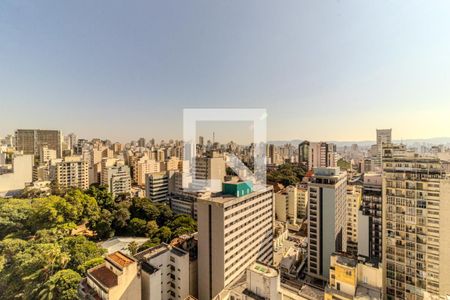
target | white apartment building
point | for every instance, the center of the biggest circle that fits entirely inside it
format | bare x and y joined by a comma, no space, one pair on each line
73,171
327,218
46,154
416,235
116,176
165,273
233,232
16,179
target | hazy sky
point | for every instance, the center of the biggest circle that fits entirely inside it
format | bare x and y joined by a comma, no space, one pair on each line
324,70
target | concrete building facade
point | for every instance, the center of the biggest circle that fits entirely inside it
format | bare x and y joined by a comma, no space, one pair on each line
327,219
233,233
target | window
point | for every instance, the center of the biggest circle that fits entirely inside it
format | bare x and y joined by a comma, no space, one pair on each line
338,286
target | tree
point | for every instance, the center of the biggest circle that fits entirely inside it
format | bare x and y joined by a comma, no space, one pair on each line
183,221
165,214
80,250
82,269
133,247
121,216
103,226
14,214
62,285
138,227
85,205
151,228
144,209
164,234
104,199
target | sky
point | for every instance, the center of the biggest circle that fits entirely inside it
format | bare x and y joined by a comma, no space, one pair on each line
323,70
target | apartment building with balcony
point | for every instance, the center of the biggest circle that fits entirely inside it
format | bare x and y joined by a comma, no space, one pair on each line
416,227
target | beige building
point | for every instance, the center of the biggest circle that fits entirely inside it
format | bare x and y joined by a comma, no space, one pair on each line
144,166
117,278
302,201
327,219
286,205
354,197
73,171
233,232
16,179
46,154
416,235
212,168
351,279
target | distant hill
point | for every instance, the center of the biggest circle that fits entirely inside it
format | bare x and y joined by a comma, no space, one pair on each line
410,142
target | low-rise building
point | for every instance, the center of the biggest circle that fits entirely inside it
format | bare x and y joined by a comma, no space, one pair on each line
117,278
352,279
14,180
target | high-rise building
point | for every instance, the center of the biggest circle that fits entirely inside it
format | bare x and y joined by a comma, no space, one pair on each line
73,171
144,166
370,218
327,218
157,186
302,201
354,195
116,176
211,167
416,235
317,155
141,142
235,229
303,153
29,140
384,136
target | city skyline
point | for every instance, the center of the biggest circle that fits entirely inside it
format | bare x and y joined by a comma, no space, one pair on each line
123,71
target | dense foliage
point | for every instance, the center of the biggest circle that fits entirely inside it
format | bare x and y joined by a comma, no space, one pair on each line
286,174
41,259
344,165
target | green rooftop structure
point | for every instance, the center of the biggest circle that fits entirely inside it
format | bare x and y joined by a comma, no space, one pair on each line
237,189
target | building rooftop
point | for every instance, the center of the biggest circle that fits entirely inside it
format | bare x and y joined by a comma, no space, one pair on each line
152,252
223,198
104,276
120,259
346,261
263,269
